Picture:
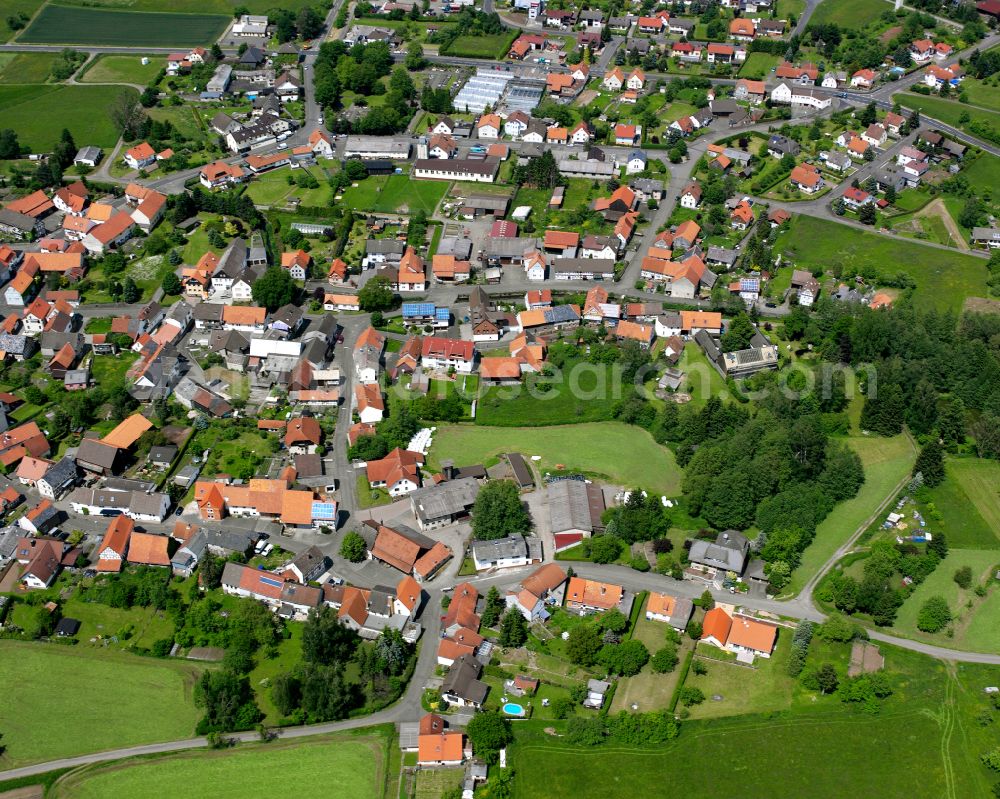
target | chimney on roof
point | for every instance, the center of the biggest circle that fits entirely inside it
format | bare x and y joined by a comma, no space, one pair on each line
448,469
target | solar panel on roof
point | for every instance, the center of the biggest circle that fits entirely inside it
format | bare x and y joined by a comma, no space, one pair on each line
324,510
271,581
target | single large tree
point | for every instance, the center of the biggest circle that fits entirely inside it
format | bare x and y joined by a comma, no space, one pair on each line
499,511
513,629
489,732
127,114
375,295
325,640
274,288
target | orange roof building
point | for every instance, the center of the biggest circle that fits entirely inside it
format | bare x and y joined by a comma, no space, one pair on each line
592,596
128,431
149,550
750,635
715,627
444,748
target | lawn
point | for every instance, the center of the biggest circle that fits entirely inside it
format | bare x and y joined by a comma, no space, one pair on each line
968,502
355,763
648,690
622,454
765,686
123,69
27,68
981,92
106,369
495,46
759,65
886,462
984,174
854,14
976,628
62,701
369,497
273,188
39,113
581,392
943,279
948,111
703,381
134,627
363,195
66,25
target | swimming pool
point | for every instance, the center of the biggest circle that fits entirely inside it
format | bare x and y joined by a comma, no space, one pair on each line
512,709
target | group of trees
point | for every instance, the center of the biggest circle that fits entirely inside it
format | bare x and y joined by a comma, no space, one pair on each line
880,592
395,430
599,642
540,172
318,689
499,511
628,729
359,69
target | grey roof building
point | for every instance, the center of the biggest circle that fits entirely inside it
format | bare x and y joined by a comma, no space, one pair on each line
729,552
442,504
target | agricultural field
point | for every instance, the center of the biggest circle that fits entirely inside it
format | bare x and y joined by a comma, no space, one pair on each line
58,702
122,69
855,14
639,461
355,763
495,46
39,113
224,7
65,25
886,461
932,222
943,279
20,68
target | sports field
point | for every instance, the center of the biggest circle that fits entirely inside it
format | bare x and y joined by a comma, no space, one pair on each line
395,194
39,113
61,701
349,765
26,67
622,454
943,279
66,25
122,69
886,462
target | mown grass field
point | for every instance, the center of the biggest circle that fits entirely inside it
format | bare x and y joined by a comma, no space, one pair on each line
922,742
495,46
621,453
758,65
18,68
968,502
355,764
39,113
985,635
948,111
984,173
855,14
981,92
62,701
273,188
123,69
15,8
886,462
71,25
943,279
